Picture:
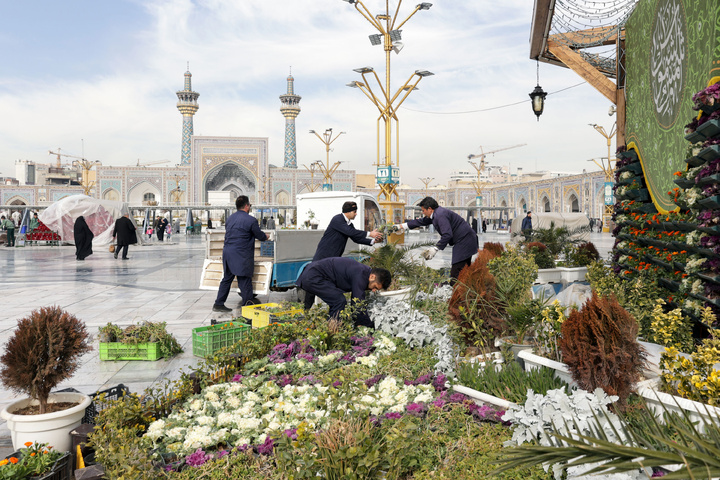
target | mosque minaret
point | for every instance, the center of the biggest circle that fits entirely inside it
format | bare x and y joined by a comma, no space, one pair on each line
290,110
187,104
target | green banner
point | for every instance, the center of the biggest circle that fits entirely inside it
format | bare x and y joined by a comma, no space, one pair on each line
672,51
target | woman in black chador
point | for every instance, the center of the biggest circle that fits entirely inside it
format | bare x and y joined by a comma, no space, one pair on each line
83,238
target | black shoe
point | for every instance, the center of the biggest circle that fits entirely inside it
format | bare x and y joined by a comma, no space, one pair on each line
115,254
125,258
221,308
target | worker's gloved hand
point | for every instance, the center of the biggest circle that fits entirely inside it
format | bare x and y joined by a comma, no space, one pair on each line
270,236
429,253
398,227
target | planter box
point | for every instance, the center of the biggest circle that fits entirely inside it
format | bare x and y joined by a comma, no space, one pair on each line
684,183
515,348
710,277
709,153
628,154
483,398
635,168
208,340
711,202
669,284
694,161
573,274
640,194
714,178
402,294
533,362
262,318
123,351
695,411
549,275
713,230
709,129
61,470
695,137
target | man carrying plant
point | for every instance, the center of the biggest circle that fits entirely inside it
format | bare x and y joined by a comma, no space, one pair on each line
333,241
241,230
453,230
331,278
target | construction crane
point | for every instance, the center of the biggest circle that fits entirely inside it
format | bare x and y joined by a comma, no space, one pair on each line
145,164
83,163
483,154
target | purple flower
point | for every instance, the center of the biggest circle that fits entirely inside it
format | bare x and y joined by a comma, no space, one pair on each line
198,458
305,356
244,447
237,378
393,415
415,409
370,382
438,402
457,398
291,433
337,383
222,453
267,447
285,379
439,383
309,379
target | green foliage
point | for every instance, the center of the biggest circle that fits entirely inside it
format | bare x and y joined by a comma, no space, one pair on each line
514,274
670,329
144,332
44,350
395,259
549,329
509,381
523,318
556,238
541,254
351,449
117,441
581,255
237,465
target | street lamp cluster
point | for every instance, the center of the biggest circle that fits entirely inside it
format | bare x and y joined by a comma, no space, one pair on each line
325,168
387,103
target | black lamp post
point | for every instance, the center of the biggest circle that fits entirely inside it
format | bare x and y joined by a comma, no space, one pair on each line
537,96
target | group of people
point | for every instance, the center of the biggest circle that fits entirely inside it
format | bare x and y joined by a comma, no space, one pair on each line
330,275
159,227
9,222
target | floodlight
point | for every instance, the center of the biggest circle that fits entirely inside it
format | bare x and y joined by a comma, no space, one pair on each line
395,35
349,1
410,87
312,131
355,84
363,70
422,6
423,73
397,46
375,39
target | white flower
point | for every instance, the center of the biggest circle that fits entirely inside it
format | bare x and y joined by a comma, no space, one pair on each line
155,430
205,420
196,405
212,396
369,361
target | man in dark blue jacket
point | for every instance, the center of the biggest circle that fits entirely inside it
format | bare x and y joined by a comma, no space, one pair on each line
526,226
453,230
241,230
330,278
333,241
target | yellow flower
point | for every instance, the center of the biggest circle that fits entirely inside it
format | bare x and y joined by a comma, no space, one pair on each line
3,462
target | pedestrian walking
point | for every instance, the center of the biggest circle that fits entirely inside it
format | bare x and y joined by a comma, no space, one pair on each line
9,226
83,238
125,233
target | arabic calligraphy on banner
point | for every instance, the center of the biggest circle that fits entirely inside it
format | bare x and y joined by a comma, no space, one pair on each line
668,61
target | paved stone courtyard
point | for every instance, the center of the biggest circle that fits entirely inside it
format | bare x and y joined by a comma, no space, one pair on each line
158,283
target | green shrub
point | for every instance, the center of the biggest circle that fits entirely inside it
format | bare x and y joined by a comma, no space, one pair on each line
509,382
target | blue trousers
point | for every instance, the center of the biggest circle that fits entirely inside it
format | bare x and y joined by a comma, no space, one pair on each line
315,284
244,283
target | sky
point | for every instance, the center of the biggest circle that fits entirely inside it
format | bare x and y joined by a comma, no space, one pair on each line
98,79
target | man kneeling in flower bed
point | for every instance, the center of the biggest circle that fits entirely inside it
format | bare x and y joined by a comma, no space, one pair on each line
331,278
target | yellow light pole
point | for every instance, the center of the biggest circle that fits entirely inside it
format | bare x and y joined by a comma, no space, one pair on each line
312,186
87,166
326,169
609,171
478,185
177,192
426,181
389,36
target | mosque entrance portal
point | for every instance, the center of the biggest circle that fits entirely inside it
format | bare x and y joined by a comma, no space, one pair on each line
233,178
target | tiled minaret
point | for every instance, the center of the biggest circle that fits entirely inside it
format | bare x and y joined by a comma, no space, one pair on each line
290,109
187,104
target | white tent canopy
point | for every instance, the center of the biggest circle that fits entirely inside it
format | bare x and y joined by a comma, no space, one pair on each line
100,216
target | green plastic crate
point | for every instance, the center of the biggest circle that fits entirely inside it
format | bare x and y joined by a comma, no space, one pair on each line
208,340
124,351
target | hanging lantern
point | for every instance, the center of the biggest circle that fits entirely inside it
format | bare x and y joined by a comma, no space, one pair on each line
538,96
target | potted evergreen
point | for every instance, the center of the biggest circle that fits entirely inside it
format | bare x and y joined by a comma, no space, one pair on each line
44,350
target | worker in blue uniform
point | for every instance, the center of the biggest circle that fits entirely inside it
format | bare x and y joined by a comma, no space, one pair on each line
453,230
333,241
241,230
331,278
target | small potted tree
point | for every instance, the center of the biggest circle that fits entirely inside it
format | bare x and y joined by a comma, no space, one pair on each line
44,350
